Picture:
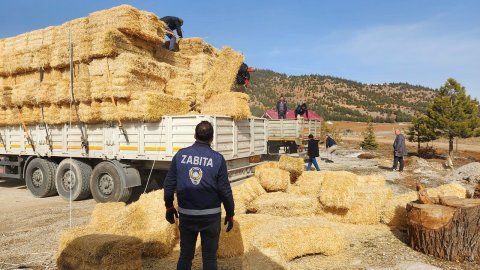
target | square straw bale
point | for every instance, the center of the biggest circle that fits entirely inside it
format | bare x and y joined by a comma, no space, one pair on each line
308,184
233,104
274,179
295,166
245,193
284,204
338,189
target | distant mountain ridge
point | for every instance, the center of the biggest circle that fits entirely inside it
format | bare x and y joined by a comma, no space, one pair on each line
337,98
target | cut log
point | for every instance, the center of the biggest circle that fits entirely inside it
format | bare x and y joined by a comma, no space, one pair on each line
448,230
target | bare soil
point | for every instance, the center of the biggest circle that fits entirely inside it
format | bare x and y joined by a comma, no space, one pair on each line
30,227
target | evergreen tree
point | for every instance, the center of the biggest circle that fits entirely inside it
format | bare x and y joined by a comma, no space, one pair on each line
453,113
369,139
421,130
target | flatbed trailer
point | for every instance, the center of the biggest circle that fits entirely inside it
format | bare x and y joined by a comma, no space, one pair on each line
291,135
107,161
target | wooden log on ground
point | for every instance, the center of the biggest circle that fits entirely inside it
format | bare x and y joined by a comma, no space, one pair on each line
448,230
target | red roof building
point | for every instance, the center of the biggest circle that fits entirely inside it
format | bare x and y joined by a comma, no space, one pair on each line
272,114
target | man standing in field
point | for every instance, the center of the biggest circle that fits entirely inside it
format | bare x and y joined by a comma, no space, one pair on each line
282,108
199,175
313,153
173,23
399,151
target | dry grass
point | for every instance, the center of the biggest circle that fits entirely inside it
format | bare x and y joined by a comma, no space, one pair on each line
309,184
338,190
245,193
233,104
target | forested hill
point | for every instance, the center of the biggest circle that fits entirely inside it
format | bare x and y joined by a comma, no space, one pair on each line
338,99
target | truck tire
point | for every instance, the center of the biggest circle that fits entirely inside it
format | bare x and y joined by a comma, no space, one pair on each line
106,185
53,167
40,178
73,179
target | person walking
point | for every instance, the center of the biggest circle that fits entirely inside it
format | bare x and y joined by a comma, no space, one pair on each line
173,24
199,176
313,153
331,146
399,151
282,108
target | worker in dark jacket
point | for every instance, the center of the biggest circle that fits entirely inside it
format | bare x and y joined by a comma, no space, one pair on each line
301,110
173,23
399,150
331,146
282,108
199,176
313,153
243,75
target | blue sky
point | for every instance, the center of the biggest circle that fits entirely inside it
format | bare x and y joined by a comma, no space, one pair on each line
372,41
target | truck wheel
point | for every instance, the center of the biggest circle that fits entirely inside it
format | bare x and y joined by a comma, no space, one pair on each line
40,178
106,185
72,179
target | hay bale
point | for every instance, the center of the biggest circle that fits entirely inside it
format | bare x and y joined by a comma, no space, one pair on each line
284,204
152,106
266,165
293,238
273,179
237,242
308,184
338,189
233,104
371,180
394,213
245,193
295,166
221,78
84,249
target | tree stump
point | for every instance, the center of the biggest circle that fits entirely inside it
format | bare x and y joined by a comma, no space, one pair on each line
449,229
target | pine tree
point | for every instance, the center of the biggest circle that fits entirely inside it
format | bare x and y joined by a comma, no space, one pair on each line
369,139
453,113
421,130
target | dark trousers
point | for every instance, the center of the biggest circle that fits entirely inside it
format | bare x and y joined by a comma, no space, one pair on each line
396,160
209,229
281,116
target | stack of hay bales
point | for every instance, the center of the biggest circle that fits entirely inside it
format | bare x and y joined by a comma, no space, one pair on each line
284,204
295,166
308,184
245,193
394,213
143,220
117,53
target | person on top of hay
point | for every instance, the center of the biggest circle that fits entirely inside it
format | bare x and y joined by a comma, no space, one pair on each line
173,23
199,175
282,108
399,151
313,153
331,146
243,75
301,110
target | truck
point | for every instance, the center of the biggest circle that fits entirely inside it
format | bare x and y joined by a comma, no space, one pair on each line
108,160
291,135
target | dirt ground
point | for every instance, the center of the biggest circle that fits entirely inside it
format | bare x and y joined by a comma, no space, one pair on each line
30,227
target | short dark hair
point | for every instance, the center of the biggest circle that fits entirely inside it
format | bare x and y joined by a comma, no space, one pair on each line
310,136
204,131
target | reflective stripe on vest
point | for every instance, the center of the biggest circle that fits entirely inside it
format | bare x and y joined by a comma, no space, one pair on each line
193,212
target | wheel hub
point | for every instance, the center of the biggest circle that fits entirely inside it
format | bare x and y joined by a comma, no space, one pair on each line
106,184
68,180
37,178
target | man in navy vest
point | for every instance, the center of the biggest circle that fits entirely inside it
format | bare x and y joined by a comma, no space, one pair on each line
199,175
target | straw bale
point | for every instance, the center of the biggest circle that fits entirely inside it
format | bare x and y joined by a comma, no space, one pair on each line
284,204
5,96
237,241
338,189
452,189
195,46
394,213
182,87
265,165
245,193
295,166
82,248
233,104
308,184
221,78
370,180
292,238
8,116
153,106
273,179
24,93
